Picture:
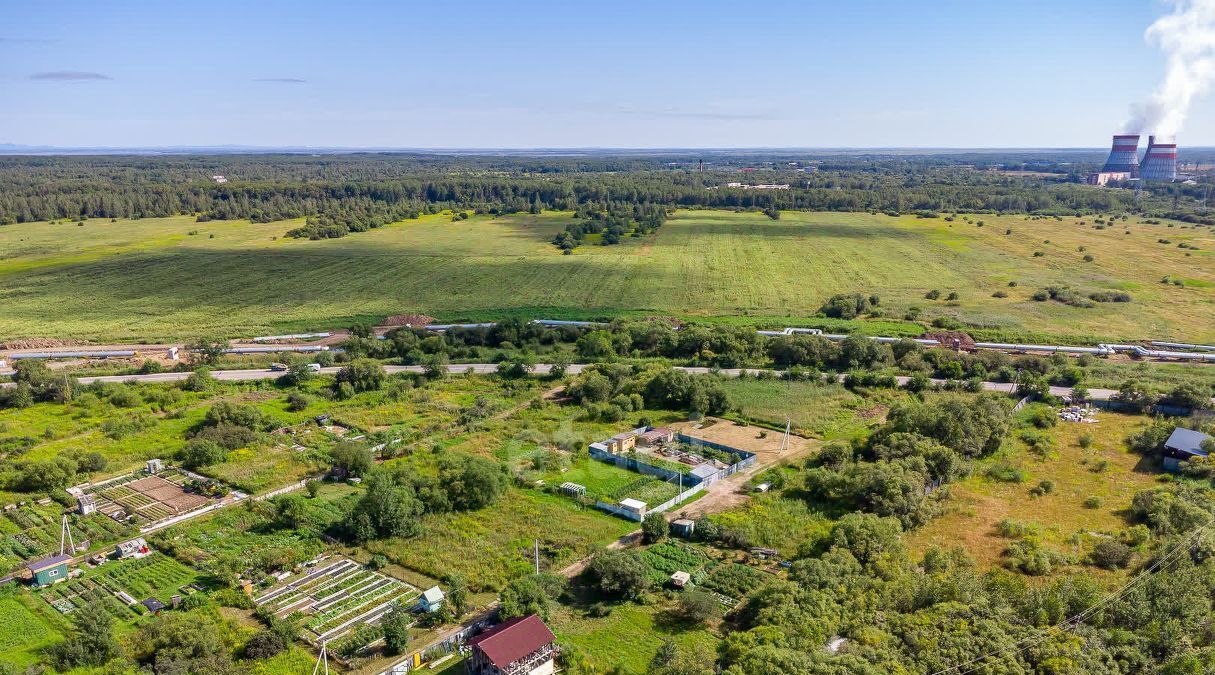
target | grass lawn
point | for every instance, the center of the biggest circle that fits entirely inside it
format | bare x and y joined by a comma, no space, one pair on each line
979,503
785,523
827,411
27,628
152,278
630,636
612,483
494,545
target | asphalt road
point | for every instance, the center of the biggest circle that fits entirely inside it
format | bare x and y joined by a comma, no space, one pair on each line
486,368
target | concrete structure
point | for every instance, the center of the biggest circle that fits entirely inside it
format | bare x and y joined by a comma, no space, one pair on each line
683,527
136,548
431,599
1160,161
1183,445
47,571
1124,155
520,646
154,466
1106,177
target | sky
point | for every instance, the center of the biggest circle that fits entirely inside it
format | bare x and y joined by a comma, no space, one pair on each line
619,73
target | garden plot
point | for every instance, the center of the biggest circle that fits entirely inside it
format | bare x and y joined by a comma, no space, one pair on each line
119,585
144,499
32,531
729,582
336,596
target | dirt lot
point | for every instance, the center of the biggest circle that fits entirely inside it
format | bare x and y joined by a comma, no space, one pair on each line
765,443
167,493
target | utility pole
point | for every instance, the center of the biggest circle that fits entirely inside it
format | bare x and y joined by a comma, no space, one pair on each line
784,443
322,658
537,542
65,538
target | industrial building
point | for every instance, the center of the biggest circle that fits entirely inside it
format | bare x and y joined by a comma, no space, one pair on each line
1159,162
1124,156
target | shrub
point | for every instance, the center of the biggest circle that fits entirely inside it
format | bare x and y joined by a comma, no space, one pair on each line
1005,473
1111,555
1093,502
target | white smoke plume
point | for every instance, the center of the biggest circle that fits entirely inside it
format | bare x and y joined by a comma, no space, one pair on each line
1187,38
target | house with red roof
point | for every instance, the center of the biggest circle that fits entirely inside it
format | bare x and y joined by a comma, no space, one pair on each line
519,646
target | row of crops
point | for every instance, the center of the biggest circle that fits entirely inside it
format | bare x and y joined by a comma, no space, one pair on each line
337,598
155,575
648,489
728,579
69,596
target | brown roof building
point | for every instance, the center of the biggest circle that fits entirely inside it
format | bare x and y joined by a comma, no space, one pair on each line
519,646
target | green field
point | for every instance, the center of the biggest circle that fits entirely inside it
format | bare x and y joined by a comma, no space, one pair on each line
152,278
27,629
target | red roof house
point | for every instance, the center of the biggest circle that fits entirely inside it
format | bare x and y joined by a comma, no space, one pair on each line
519,646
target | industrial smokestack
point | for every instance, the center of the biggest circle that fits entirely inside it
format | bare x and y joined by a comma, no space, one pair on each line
1160,161
1124,157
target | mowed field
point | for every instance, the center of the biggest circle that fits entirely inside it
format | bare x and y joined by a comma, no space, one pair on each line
173,278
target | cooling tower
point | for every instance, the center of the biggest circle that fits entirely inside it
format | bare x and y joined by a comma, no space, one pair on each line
1160,161
1124,157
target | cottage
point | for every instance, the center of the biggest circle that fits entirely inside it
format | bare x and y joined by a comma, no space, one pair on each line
87,504
1182,445
681,579
520,646
657,436
431,600
136,548
621,443
47,571
154,466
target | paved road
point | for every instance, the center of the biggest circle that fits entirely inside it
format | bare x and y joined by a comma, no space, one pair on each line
486,368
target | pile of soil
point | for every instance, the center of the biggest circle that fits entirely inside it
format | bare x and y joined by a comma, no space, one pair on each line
39,343
411,320
952,339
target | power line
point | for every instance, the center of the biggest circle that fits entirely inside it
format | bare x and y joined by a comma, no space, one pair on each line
1071,622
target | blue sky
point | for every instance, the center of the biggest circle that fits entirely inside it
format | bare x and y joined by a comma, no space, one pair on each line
356,73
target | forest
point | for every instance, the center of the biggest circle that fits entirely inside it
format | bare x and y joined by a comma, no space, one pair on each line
350,193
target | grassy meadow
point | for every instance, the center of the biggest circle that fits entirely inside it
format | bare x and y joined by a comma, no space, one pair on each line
175,278
1106,470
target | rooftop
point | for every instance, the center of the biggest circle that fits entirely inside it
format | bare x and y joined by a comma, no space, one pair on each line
47,563
433,594
512,640
1187,441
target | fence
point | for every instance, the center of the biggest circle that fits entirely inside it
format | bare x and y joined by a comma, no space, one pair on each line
1157,409
423,658
636,465
694,483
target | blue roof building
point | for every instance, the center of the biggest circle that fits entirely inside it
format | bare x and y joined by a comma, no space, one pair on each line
1183,445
